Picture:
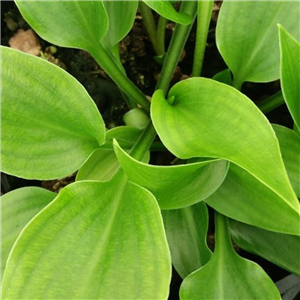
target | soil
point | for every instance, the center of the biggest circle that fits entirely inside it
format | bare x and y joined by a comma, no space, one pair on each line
137,56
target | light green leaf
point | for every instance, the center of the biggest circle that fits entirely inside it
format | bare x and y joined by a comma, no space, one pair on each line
18,207
209,119
280,249
244,198
50,125
224,77
94,241
103,163
227,275
137,118
290,72
121,15
175,186
75,24
186,230
166,9
249,45
289,142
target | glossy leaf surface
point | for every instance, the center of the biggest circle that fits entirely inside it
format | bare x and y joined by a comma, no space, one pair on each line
50,125
290,73
249,45
175,186
186,230
165,9
75,24
18,207
103,163
121,15
227,275
94,241
281,249
194,129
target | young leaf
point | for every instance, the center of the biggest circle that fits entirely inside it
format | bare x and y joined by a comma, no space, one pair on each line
74,24
227,275
121,15
94,241
18,207
186,230
201,124
50,125
165,9
103,163
175,186
281,249
249,45
290,72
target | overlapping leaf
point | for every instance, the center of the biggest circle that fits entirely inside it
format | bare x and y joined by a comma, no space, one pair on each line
165,9
227,275
103,163
281,249
200,124
94,241
175,186
17,209
186,230
290,73
249,45
50,125
75,24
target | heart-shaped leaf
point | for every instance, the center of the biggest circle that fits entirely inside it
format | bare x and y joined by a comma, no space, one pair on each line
94,241
121,15
200,124
50,125
290,73
103,163
18,207
75,24
227,275
175,186
281,249
166,9
249,46
186,230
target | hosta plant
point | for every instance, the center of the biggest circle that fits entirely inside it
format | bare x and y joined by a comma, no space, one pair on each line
117,230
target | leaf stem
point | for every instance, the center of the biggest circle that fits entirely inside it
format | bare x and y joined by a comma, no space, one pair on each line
149,24
271,103
176,46
222,236
110,66
203,21
160,35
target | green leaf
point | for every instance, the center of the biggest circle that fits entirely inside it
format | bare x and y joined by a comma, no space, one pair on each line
227,275
249,45
210,119
75,24
175,186
280,249
289,142
224,77
136,117
50,125
94,241
166,9
121,15
290,73
244,198
186,230
103,163
18,207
